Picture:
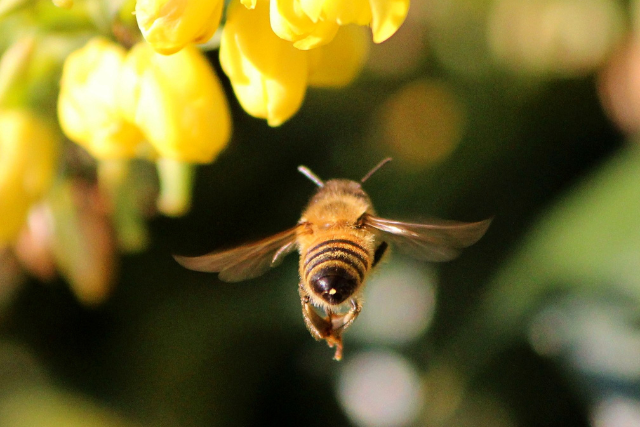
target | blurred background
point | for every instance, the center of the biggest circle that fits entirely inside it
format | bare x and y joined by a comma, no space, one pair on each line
521,110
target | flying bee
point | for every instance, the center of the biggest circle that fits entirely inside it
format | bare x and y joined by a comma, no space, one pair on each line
340,239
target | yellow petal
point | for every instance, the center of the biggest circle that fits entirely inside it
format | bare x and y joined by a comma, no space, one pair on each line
386,17
268,74
27,166
249,4
312,8
177,102
87,107
169,25
290,23
339,63
347,12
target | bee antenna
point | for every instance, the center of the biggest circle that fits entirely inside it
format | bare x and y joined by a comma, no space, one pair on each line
312,176
375,169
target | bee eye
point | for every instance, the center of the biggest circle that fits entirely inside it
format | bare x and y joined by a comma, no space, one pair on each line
334,288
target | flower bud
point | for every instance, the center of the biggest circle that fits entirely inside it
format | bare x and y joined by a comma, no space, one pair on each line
27,167
268,74
87,104
176,101
83,243
169,25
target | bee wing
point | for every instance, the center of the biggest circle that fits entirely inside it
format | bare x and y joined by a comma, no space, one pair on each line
437,240
247,261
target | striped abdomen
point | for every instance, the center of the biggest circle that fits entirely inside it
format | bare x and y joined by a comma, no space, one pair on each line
335,268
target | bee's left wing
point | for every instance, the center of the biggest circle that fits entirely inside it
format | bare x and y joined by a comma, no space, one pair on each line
437,240
247,261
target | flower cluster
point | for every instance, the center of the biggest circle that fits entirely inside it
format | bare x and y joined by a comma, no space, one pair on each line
271,51
130,84
122,104
270,75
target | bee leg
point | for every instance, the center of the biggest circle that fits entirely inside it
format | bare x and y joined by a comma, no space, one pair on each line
339,323
350,317
319,327
379,253
334,339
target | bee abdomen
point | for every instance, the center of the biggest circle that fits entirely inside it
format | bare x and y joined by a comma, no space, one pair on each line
342,253
335,268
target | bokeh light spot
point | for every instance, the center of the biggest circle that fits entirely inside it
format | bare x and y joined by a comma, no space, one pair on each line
595,336
400,303
616,411
564,37
422,122
402,53
619,87
380,389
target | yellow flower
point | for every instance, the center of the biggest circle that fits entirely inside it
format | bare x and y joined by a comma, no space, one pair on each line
115,103
290,22
87,104
169,25
176,101
338,63
269,75
27,167
309,23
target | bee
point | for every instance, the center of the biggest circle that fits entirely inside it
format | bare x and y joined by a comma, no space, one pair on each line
340,239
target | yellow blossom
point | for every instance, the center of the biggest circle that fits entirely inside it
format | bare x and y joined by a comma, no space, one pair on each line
176,101
338,63
290,22
87,105
309,23
169,25
269,75
27,166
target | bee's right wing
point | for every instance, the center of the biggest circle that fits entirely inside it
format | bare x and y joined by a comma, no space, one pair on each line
437,240
246,261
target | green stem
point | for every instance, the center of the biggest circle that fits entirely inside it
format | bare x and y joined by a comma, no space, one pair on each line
114,177
176,180
13,64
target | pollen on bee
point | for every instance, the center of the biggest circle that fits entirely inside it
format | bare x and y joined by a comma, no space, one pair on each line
332,291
